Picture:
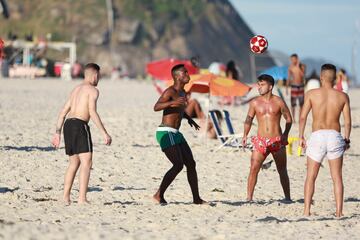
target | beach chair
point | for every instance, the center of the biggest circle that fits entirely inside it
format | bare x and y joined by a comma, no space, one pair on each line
229,140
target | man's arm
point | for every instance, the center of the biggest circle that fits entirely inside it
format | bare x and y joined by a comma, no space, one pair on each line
287,116
347,118
248,121
303,117
59,124
62,115
93,97
165,102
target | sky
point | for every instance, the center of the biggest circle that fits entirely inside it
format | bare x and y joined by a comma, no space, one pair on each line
311,28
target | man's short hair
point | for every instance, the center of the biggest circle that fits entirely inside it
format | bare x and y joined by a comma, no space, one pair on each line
328,66
92,66
266,78
294,55
175,69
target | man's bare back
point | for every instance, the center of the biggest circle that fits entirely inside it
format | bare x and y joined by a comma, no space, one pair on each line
327,106
79,101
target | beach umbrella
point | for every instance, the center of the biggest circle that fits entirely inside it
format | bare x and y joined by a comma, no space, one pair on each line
216,85
278,73
161,69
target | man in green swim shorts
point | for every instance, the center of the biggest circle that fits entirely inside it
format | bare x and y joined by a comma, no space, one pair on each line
172,142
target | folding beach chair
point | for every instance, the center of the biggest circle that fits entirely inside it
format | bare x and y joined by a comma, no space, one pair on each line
229,140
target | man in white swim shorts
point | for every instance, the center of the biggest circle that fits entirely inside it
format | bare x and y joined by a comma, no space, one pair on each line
326,105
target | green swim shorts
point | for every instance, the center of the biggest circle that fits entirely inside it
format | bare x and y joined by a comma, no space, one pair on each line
168,136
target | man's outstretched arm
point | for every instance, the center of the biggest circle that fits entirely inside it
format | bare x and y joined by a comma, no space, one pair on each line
93,97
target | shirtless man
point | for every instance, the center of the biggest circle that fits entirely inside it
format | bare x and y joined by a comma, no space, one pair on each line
268,110
173,102
326,104
79,109
295,79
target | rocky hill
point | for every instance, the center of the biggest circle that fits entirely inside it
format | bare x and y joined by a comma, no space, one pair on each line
142,30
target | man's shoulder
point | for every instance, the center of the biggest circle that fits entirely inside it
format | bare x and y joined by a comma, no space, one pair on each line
312,92
89,89
278,100
169,91
255,100
341,94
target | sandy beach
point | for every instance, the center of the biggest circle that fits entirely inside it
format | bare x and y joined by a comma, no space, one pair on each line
126,174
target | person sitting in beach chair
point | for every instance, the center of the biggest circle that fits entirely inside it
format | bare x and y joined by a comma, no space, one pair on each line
193,108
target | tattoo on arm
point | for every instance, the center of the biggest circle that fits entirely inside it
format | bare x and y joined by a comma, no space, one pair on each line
58,130
249,120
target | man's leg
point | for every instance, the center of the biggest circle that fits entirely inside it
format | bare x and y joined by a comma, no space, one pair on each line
191,172
174,155
74,163
336,174
257,160
85,168
281,166
312,172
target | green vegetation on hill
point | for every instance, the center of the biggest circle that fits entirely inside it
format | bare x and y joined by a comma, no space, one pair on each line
167,10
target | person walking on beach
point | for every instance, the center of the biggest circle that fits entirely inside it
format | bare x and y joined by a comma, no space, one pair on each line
78,110
268,110
326,104
295,79
173,102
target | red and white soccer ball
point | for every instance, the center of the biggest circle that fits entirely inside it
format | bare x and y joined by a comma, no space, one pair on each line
258,44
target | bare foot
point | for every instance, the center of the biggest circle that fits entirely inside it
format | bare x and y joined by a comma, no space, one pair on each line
201,202
307,214
158,199
83,202
339,215
67,201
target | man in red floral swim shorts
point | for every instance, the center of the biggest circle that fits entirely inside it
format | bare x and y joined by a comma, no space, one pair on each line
268,110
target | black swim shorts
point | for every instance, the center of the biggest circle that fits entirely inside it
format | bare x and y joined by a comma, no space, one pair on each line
77,136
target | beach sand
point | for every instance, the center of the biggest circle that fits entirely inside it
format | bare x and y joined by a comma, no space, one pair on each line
127,174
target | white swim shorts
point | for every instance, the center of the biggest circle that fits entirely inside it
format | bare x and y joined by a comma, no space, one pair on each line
326,142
